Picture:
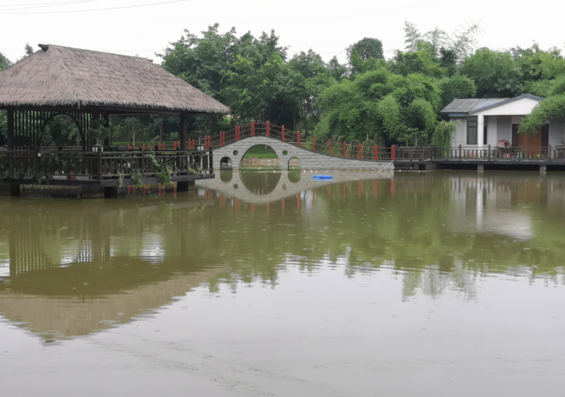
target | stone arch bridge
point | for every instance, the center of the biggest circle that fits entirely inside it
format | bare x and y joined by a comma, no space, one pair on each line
309,159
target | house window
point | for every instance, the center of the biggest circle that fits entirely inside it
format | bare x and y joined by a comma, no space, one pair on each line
471,132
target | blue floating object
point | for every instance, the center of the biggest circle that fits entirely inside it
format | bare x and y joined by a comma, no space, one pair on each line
323,177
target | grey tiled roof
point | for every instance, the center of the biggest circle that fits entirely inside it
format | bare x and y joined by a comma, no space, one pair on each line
468,105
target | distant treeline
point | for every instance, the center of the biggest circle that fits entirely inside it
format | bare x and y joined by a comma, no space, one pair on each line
394,101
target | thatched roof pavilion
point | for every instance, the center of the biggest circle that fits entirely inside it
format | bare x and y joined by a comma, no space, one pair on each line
71,78
88,86
88,83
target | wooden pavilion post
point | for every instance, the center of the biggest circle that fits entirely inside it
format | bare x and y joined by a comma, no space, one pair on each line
10,130
108,139
95,125
183,128
183,185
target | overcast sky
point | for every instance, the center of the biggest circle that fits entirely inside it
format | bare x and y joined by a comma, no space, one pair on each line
144,27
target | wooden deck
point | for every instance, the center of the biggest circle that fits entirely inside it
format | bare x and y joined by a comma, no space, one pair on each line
512,156
104,169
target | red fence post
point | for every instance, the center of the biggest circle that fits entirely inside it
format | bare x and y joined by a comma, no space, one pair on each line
376,152
313,143
344,149
360,151
392,153
329,147
252,128
268,128
283,133
298,139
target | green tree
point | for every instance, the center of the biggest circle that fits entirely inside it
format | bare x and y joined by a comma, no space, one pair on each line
382,106
251,86
457,86
495,73
552,108
4,62
367,48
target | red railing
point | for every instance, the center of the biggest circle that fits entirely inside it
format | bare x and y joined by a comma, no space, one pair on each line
351,150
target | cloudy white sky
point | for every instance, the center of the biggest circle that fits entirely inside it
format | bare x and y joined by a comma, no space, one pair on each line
144,27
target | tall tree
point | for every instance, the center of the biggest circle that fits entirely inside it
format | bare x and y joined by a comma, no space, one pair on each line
367,48
495,73
381,105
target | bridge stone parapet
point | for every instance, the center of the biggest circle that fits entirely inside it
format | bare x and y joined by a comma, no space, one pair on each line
308,160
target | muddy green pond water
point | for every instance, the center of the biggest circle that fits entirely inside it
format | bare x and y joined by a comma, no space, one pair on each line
271,284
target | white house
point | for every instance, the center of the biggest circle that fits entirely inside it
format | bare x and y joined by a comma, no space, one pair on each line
483,122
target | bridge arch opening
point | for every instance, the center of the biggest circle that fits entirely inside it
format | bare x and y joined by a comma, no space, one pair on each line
261,156
225,163
294,163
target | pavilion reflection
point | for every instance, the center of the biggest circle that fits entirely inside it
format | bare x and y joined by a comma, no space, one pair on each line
71,268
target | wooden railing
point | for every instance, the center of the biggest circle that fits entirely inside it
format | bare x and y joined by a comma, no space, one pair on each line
126,166
487,153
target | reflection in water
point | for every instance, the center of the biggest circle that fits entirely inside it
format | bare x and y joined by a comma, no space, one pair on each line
260,183
72,268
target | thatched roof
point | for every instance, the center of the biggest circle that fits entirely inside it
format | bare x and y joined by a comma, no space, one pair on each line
59,76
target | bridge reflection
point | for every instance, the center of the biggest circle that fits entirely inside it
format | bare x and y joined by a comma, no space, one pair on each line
71,268
270,186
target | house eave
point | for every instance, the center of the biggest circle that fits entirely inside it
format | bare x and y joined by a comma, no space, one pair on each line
537,98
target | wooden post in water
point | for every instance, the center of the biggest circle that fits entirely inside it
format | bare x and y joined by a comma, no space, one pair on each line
313,143
329,147
392,152
268,126
99,163
344,149
376,187
298,139
392,187
360,151
282,129
252,128
376,152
